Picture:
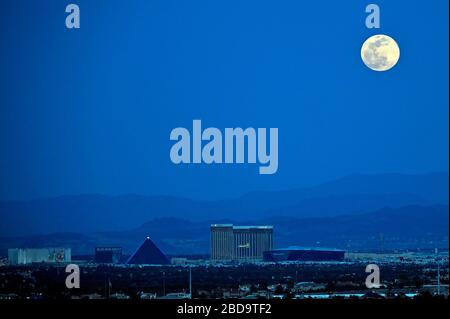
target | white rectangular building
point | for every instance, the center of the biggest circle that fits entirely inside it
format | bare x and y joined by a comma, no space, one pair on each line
24,256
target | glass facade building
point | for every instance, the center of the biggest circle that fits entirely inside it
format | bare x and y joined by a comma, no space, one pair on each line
240,243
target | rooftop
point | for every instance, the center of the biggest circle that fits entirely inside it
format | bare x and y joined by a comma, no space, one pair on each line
309,248
253,227
241,227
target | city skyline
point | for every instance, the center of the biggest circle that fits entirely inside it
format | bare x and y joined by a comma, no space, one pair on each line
238,157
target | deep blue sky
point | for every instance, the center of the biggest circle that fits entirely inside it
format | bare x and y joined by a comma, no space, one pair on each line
90,110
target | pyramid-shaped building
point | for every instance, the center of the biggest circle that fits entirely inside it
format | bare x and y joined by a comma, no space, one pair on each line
148,254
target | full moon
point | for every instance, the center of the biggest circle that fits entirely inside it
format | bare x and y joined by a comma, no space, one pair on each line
380,52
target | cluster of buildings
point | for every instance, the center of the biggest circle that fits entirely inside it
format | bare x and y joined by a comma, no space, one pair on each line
255,243
229,243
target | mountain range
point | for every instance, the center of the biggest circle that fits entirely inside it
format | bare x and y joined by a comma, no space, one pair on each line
353,194
356,211
410,227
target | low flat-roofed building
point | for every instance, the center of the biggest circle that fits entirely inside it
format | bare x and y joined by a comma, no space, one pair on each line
24,256
296,253
108,255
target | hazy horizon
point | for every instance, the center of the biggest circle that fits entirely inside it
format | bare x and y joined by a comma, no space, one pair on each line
238,195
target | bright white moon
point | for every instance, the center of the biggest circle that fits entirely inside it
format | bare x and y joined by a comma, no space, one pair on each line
380,52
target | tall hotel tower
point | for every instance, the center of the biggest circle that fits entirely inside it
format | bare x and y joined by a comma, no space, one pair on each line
240,243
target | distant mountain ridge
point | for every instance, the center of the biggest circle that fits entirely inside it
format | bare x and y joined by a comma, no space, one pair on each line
409,227
353,194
